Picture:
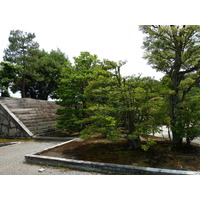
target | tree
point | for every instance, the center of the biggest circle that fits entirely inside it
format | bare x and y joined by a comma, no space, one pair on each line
174,50
71,91
8,74
48,70
119,106
189,113
44,74
96,98
21,51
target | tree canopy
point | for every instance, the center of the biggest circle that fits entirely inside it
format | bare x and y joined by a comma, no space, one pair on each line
8,74
20,51
96,98
43,77
174,50
40,71
74,80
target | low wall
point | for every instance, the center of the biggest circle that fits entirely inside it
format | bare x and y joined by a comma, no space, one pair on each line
11,126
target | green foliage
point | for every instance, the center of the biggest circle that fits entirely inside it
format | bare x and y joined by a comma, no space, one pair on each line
71,91
43,77
167,45
100,121
40,71
8,74
21,48
97,99
174,50
188,124
118,106
148,145
21,51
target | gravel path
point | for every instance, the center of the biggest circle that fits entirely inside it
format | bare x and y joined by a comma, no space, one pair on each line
12,160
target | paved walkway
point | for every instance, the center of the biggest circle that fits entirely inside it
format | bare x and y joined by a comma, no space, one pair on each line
12,160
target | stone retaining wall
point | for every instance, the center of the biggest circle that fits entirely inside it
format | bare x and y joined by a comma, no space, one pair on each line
11,126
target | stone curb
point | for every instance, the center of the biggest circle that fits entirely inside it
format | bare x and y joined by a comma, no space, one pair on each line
57,145
52,138
100,167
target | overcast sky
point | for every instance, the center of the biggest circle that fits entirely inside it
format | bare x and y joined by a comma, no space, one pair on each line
106,28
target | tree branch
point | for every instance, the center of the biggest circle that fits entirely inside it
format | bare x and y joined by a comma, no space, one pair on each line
191,69
185,92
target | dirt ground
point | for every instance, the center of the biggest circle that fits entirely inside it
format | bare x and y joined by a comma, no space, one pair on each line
161,155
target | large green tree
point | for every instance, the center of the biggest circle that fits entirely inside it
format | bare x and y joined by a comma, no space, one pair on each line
74,80
21,51
42,80
175,51
121,106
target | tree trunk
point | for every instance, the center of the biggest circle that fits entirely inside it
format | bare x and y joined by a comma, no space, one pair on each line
134,143
176,140
174,108
169,135
23,95
188,141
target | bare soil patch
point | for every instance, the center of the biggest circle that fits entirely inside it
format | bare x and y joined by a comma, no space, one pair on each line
7,140
161,155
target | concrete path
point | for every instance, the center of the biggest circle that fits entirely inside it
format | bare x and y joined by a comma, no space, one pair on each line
12,160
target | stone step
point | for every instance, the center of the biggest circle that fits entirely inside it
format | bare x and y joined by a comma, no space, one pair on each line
13,106
34,106
44,131
40,124
39,120
18,111
37,115
44,127
33,116
27,116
